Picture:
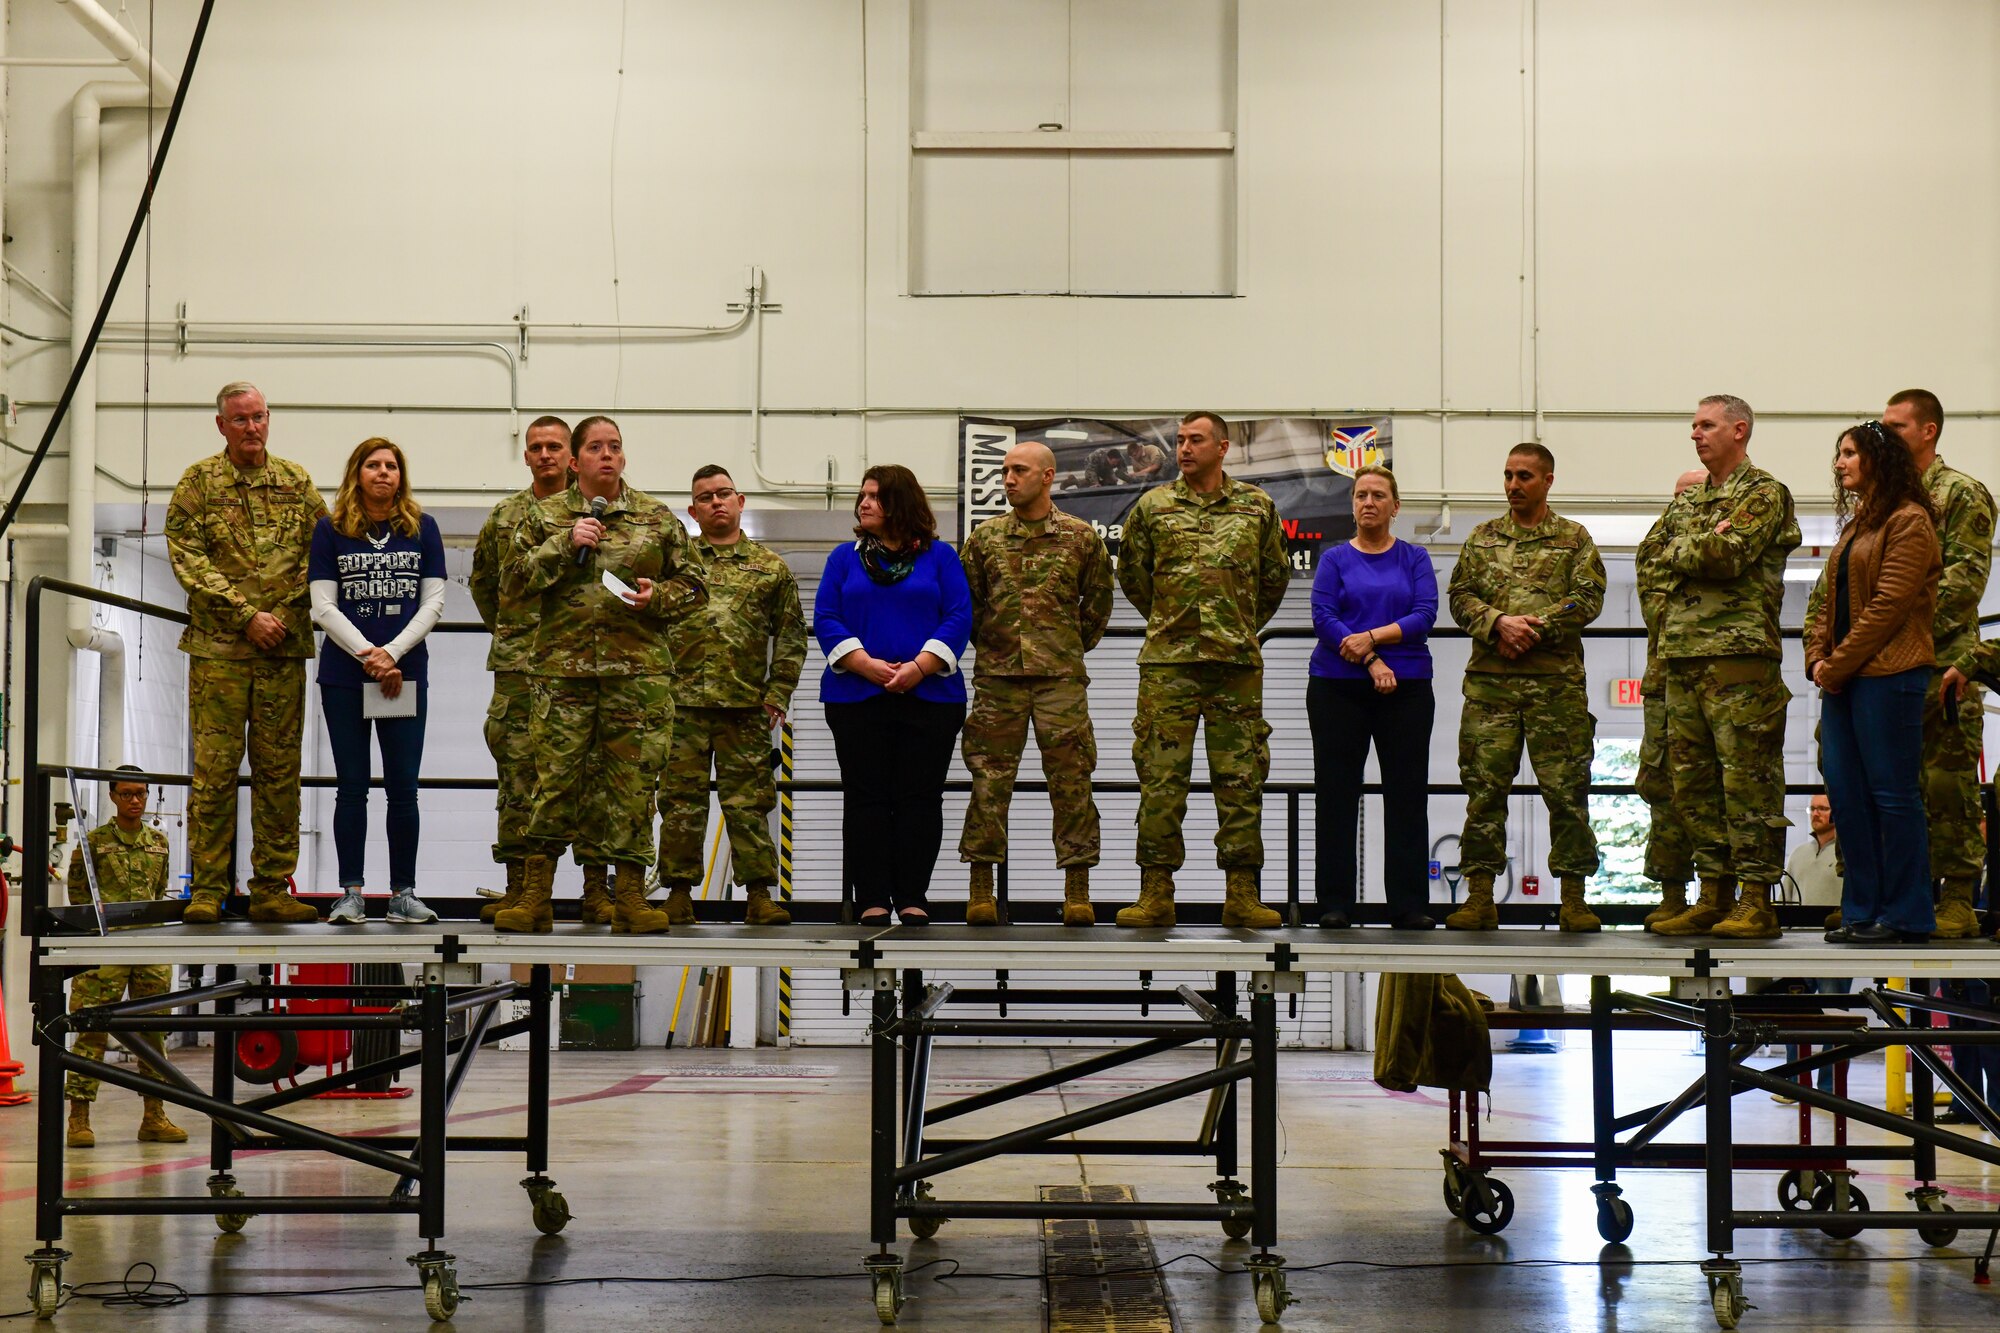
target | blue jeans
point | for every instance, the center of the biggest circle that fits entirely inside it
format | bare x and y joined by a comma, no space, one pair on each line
1872,742
402,740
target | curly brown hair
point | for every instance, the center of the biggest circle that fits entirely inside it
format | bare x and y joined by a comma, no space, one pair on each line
1889,479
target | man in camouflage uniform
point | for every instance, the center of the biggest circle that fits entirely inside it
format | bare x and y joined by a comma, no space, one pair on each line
509,717
604,703
1522,588
1724,551
726,700
1041,598
1204,562
1669,850
1952,736
129,862
238,531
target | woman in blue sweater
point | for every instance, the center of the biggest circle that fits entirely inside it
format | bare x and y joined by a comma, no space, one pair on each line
1374,601
892,616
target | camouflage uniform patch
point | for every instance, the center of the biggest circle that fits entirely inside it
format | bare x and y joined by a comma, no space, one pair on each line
1726,699
1207,573
996,733
1041,598
1549,716
722,684
600,743
604,690
1229,701
130,867
1535,701
1951,748
265,698
738,740
238,540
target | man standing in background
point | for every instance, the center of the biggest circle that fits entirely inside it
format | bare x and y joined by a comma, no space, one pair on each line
1726,541
726,700
1669,850
239,529
1522,588
511,622
1952,730
1041,598
1815,863
129,862
1204,562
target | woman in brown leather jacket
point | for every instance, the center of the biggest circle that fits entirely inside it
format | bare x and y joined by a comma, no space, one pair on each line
1870,653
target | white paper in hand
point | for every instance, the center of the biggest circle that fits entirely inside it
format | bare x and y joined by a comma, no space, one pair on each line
618,587
374,703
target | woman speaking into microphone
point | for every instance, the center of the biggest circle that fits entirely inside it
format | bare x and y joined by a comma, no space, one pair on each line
613,568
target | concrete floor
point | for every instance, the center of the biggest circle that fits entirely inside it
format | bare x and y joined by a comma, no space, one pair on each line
713,1164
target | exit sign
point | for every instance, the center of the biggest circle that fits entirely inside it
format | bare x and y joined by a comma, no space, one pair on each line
1625,694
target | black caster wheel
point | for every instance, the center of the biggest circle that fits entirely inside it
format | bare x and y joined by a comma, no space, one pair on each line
1938,1237
1823,1200
1488,1218
1795,1191
1232,1192
1614,1219
923,1228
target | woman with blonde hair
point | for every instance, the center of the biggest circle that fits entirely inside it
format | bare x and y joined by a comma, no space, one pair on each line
377,576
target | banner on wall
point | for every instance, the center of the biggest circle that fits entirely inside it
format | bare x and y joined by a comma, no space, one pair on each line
1306,464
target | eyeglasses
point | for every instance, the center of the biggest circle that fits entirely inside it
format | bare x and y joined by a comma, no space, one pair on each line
254,419
717,496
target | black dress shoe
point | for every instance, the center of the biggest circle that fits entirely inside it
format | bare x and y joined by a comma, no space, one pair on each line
1414,921
1877,933
1333,920
912,916
1840,935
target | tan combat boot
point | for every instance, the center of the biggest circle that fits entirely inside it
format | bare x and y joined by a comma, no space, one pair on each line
532,913
1717,898
1955,918
1751,918
759,909
273,902
1240,906
80,1135
679,905
154,1127
1835,919
636,916
1478,912
204,908
1673,901
597,908
1156,899
1077,910
1575,915
980,907
507,899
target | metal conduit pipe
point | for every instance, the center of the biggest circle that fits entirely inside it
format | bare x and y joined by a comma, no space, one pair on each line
86,138
124,47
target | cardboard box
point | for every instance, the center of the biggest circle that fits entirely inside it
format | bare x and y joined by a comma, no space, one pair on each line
581,974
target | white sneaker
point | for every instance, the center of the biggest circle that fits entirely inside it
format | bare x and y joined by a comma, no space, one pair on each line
350,910
405,908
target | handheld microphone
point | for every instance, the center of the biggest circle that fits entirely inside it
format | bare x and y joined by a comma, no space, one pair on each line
596,512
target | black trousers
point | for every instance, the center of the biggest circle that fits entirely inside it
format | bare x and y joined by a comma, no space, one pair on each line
894,752
1346,716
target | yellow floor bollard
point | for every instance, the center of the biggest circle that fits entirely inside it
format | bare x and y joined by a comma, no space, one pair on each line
1896,1064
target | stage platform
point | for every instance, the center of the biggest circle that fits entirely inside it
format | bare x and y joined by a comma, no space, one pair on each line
1045,947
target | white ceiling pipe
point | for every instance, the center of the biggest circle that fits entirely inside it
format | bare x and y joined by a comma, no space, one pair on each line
86,136
124,46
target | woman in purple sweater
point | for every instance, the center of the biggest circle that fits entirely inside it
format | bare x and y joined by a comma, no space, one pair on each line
893,615
1374,601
